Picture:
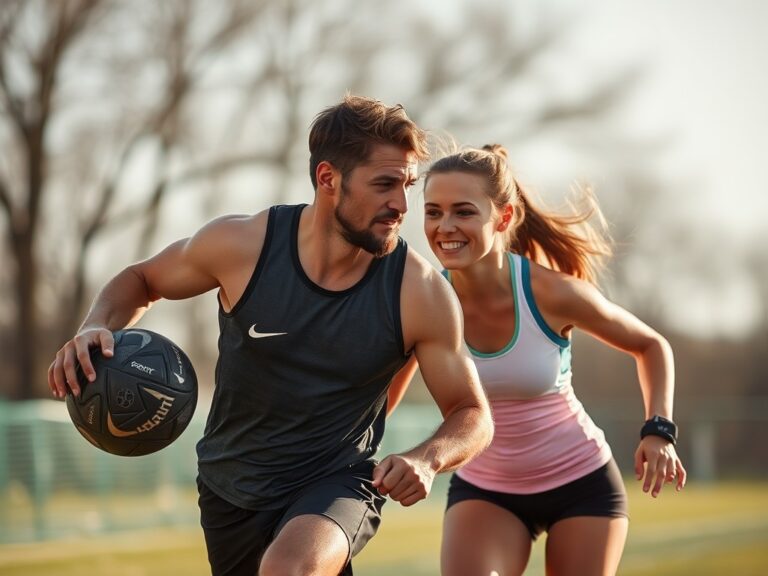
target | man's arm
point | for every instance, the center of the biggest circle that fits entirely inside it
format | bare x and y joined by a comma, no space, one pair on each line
432,323
400,383
184,269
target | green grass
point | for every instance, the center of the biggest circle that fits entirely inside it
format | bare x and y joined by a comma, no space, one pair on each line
704,530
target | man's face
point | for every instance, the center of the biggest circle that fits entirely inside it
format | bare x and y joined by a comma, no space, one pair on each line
373,199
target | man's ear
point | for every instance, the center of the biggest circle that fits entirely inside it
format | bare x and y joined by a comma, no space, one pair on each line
328,177
506,218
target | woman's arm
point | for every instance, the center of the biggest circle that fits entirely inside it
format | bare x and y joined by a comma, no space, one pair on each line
567,302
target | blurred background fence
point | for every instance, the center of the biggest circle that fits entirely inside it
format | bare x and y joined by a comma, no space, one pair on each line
54,484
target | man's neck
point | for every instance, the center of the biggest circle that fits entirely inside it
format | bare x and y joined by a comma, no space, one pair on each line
325,256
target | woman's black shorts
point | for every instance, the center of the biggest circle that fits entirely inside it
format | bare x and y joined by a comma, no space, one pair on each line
599,493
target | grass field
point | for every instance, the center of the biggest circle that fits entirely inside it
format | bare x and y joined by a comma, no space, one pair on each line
705,530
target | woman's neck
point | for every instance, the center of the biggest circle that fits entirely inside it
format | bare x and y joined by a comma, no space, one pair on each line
486,278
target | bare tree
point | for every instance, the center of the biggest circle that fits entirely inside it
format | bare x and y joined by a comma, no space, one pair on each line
28,107
42,44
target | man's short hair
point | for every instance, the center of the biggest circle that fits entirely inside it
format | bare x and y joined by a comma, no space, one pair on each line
345,133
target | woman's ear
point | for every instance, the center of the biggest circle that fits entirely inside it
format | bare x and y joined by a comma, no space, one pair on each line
506,218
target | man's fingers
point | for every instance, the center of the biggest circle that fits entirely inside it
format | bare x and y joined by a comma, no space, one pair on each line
51,381
392,481
70,370
55,380
380,470
103,340
57,373
411,497
63,371
84,359
405,485
107,343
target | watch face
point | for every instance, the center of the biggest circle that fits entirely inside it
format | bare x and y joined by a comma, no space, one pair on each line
660,426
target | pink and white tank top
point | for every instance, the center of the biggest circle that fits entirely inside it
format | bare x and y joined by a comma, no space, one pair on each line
544,438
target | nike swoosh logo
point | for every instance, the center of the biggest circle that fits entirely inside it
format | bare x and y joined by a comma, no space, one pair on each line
253,334
115,431
179,378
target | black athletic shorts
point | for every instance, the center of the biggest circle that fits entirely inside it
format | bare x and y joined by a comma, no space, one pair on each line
236,538
599,493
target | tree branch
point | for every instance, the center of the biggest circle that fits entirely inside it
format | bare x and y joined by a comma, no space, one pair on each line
5,202
13,104
70,21
180,84
212,170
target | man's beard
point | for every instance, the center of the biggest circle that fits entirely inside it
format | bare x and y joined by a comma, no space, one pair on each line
365,238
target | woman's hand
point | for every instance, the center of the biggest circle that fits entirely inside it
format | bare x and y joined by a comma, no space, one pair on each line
656,459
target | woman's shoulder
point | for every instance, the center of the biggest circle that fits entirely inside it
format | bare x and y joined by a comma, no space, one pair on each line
556,292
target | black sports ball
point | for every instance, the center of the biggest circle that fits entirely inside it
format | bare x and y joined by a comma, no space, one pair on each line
143,396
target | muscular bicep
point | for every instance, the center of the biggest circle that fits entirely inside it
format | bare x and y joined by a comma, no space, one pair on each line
400,383
182,270
435,325
450,375
220,255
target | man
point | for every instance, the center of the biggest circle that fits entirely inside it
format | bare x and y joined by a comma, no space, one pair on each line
320,307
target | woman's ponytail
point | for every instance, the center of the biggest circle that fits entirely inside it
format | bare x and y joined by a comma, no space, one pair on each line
575,242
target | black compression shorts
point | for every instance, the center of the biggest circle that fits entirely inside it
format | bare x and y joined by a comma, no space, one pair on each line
599,493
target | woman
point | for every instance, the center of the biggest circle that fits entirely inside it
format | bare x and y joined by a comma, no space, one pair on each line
526,279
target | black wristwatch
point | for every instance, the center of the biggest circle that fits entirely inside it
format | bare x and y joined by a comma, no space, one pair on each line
660,426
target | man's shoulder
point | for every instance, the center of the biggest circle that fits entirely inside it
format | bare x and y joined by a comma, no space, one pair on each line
231,234
430,308
420,269
228,224
424,282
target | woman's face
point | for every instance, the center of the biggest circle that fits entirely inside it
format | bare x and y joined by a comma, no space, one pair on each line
460,221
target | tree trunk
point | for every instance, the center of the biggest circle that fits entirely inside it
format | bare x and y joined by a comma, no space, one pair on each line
25,226
26,345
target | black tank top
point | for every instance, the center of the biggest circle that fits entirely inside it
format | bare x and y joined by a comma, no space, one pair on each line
302,373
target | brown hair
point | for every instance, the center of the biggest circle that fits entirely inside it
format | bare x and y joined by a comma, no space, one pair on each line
567,242
344,134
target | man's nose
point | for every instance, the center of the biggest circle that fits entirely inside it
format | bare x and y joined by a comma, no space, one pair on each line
399,201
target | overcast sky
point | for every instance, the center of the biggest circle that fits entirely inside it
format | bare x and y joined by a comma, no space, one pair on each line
705,86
